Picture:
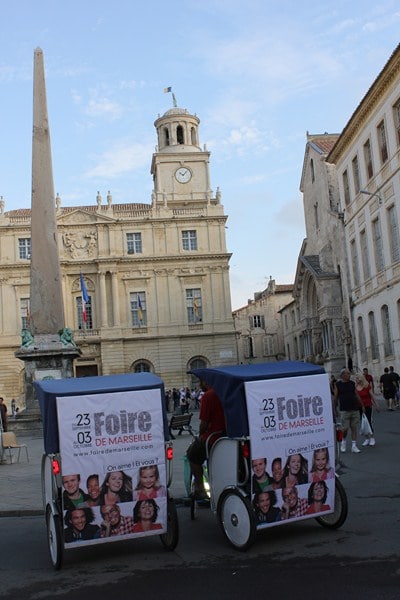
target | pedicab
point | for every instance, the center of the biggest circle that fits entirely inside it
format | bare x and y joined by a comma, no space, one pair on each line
107,464
278,416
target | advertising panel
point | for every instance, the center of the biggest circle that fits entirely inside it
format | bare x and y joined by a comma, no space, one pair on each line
292,448
113,466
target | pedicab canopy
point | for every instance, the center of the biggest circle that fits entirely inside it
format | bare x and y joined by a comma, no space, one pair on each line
229,384
48,391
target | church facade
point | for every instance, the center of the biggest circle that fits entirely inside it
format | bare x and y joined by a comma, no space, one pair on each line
156,275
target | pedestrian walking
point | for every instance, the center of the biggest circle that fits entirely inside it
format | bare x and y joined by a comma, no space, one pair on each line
387,388
348,404
363,389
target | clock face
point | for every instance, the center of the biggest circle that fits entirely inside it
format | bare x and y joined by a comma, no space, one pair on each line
183,175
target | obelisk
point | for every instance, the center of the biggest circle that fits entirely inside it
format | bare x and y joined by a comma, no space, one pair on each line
46,349
46,301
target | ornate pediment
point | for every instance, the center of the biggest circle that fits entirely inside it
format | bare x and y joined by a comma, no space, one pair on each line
83,217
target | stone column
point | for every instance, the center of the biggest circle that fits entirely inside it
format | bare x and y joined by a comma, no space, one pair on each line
46,301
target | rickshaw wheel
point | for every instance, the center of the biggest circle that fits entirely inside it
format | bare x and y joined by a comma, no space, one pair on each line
337,518
170,539
237,519
54,540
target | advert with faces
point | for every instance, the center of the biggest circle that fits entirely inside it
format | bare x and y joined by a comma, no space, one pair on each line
291,429
113,452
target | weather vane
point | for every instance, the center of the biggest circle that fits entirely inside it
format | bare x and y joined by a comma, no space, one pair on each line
168,90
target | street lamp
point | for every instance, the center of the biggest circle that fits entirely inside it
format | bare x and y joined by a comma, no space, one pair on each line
371,194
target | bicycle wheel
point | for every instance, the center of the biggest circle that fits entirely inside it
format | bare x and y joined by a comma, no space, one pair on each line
337,518
170,539
54,540
237,519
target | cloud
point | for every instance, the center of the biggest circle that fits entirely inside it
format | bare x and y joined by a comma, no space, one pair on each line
103,107
124,157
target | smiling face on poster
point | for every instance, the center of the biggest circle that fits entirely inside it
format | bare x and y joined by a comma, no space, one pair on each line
113,454
291,428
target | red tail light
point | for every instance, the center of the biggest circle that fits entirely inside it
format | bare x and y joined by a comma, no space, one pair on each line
339,435
246,449
170,453
55,465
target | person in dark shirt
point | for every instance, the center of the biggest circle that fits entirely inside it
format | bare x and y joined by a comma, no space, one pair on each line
349,403
79,525
388,388
212,426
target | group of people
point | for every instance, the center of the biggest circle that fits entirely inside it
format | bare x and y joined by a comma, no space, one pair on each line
287,479
389,383
181,400
80,526
293,506
353,398
116,489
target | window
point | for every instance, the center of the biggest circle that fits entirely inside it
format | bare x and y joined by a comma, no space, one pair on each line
248,347
269,349
25,313
257,321
179,135
354,262
346,188
378,245
386,329
82,322
138,309
368,159
166,136
142,367
364,255
189,240
194,306
361,340
316,215
382,141
394,234
373,336
396,114
356,174
312,170
134,243
24,246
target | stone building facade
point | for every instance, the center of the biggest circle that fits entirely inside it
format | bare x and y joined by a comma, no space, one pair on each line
315,324
367,160
346,307
157,274
258,325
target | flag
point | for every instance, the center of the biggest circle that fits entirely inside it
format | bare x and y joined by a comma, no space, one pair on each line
85,298
168,89
140,310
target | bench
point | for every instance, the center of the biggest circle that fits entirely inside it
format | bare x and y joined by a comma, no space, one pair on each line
181,422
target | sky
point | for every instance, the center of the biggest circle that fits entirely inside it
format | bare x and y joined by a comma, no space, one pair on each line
259,74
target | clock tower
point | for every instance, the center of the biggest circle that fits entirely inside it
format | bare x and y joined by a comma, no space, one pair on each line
180,168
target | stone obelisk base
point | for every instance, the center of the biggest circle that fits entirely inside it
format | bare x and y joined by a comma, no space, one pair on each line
46,358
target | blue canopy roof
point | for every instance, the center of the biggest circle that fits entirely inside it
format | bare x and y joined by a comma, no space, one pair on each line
228,383
48,390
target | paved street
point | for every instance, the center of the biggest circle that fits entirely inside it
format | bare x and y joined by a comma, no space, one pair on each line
331,563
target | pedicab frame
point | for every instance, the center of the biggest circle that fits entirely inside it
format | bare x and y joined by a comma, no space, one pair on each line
97,425
271,409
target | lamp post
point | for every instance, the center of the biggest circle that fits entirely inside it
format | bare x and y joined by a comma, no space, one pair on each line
372,194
